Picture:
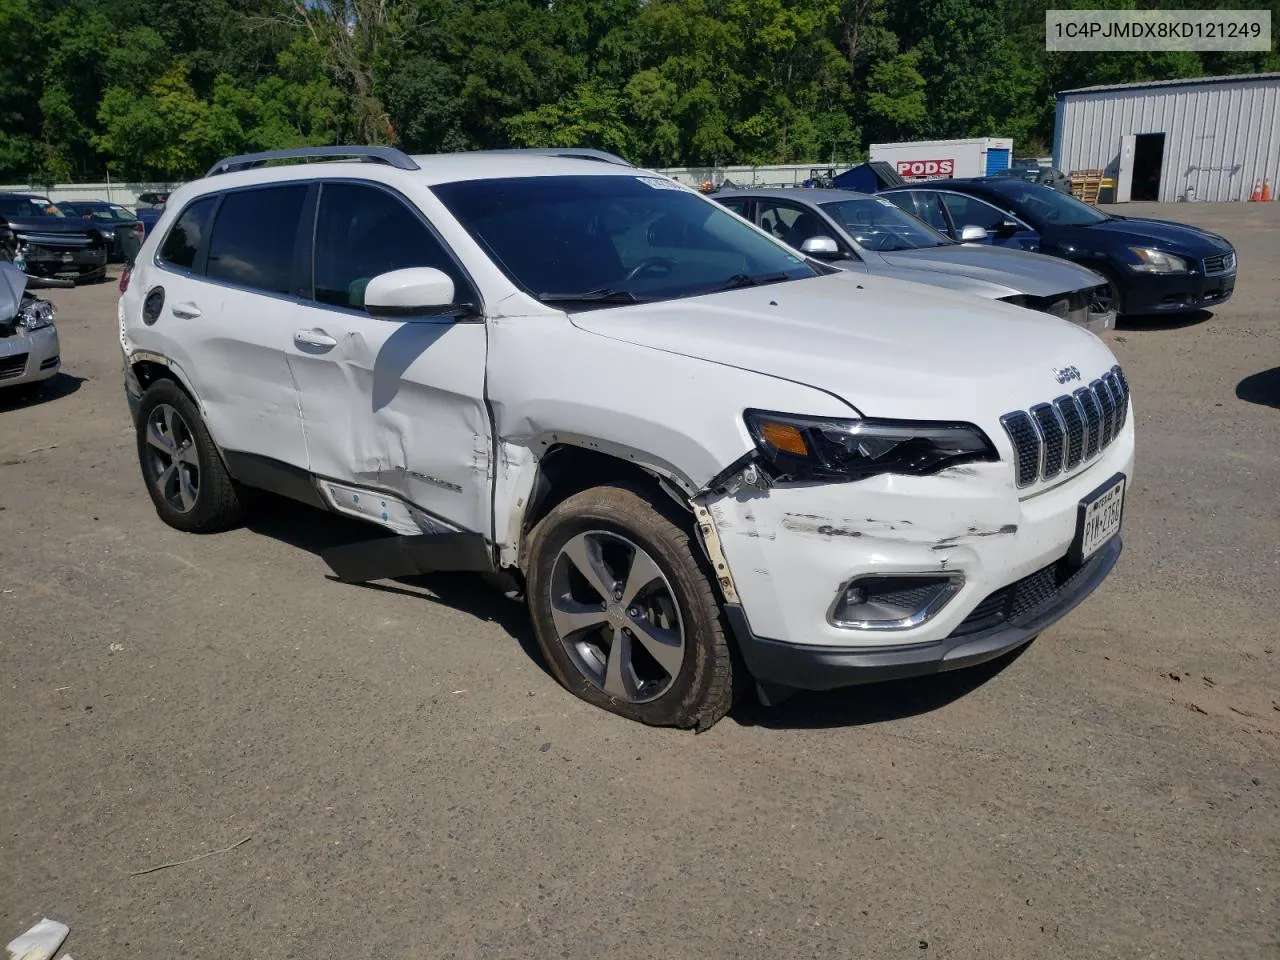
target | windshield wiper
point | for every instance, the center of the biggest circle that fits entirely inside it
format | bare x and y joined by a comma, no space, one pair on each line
603,295
745,280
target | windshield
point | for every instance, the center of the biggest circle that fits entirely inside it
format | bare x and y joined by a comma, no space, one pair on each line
612,239
1043,205
879,225
28,207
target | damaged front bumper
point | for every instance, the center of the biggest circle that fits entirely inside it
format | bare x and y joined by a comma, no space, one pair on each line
809,667
794,551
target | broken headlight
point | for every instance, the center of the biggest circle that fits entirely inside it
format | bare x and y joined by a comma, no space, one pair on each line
817,448
36,314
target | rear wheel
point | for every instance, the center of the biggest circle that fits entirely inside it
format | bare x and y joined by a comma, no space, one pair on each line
625,612
183,470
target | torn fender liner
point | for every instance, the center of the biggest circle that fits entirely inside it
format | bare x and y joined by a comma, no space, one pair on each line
385,558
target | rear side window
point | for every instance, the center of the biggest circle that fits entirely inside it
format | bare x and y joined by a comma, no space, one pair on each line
362,232
180,246
253,237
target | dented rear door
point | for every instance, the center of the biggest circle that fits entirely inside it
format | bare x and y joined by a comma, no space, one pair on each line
390,405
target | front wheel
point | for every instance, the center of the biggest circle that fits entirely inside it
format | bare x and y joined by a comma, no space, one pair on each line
625,612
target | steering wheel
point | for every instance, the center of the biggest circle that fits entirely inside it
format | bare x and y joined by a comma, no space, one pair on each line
665,264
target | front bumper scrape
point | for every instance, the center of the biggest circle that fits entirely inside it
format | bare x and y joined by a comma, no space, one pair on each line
810,667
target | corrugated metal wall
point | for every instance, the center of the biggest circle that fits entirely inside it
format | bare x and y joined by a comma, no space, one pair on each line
1219,137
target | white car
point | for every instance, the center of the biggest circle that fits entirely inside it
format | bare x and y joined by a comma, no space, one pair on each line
705,459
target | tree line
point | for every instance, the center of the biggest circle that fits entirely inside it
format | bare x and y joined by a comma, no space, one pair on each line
160,89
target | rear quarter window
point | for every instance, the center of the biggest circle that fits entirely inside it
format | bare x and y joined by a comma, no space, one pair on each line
183,241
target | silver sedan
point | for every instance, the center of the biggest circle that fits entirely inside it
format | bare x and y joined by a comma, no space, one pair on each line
860,232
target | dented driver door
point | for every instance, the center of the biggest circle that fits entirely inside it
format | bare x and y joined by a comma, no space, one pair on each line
389,406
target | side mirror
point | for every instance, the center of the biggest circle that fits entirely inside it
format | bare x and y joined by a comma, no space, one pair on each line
821,248
973,234
1008,228
412,292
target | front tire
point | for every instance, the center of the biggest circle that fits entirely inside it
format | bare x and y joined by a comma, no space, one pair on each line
625,612
182,468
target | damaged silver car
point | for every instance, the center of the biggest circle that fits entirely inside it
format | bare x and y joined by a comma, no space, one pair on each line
29,353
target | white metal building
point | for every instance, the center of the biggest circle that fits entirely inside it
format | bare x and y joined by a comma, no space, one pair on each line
1211,138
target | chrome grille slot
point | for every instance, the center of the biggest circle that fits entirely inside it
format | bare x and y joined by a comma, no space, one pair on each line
1053,435
1092,421
1073,421
1108,403
1122,399
1055,438
1026,441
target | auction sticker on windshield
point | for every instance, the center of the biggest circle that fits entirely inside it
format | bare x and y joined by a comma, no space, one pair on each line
660,183
1098,519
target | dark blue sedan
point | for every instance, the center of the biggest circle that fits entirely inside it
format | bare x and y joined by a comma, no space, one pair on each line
1155,266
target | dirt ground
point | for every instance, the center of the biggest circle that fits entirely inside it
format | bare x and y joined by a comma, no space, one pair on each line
413,784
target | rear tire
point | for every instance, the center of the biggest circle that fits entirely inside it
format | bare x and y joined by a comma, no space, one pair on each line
625,611
184,473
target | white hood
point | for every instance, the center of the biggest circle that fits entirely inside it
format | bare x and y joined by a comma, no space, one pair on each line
889,349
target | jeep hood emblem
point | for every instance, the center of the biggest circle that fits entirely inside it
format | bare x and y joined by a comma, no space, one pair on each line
1066,374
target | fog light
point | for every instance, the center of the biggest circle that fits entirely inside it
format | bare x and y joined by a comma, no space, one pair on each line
893,602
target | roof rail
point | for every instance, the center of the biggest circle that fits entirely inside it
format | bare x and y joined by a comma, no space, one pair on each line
573,153
388,155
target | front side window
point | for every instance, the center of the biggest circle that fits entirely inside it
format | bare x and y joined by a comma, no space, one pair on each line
183,242
970,212
791,223
879,225
252,241
611,237
361,232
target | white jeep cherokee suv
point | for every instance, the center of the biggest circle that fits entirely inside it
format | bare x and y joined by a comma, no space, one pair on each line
703,458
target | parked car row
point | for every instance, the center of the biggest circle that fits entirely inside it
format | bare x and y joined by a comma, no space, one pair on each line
1130,265
69,240
708,460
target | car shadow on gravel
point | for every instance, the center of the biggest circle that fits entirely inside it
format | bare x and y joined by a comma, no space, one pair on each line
55,388
871,702
316,531
1178,321
1262,388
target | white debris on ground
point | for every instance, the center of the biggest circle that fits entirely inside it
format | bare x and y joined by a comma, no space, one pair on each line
41,942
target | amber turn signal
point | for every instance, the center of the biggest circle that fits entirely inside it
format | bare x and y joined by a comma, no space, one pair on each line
785,437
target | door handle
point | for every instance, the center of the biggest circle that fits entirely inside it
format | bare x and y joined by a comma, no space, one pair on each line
314,338
187,311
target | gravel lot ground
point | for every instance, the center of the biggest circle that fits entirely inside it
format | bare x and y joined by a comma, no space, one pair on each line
415,785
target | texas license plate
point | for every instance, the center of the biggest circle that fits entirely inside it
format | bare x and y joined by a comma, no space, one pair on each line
1099,518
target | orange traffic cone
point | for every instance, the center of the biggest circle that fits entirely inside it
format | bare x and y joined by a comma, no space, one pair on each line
1257,192
1266,189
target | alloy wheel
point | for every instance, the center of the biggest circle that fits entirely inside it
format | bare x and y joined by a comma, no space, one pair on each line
617,617
172,460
